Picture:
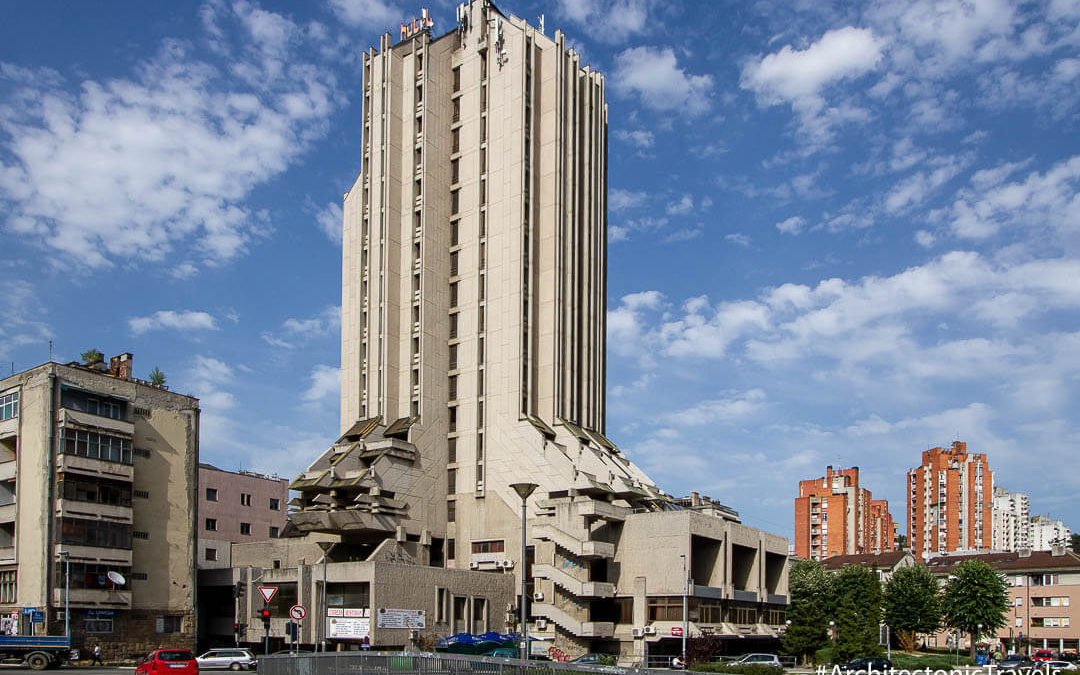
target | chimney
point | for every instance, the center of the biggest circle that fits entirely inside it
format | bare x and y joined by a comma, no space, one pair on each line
695,499
1057,549
1024,552
120,366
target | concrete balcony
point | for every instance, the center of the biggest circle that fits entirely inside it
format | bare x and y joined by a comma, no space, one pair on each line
95,467
105,598
7,554
7,470
91,511
601,510
575,586
9,427
7,513
95,554
594,629
69,417
745,596
583,548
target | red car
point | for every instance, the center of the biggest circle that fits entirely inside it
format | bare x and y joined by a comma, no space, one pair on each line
1043,655
168,662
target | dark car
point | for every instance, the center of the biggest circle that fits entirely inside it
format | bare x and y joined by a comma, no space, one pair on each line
1015,662
867,665
170,661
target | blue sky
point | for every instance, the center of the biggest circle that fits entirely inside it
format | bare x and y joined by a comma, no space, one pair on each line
839,233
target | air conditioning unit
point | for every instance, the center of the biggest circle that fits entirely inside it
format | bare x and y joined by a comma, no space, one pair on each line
538,597
506,564
541,624
474,565
649,630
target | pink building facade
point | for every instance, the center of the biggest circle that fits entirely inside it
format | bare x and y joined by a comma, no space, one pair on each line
237,507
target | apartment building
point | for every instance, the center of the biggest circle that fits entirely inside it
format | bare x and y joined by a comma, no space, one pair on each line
97,478
1042,587
950,502
1012,521
1046,532
885,564
834,515
237,507
473,357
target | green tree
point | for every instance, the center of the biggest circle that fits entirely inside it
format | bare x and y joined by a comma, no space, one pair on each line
901,541
92,357
912,602
858,613
975,595
157,377
810,589
1075,543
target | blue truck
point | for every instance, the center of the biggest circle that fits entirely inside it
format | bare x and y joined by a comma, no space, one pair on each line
38,651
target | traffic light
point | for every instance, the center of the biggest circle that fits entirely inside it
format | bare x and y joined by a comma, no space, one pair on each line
265,614
239,627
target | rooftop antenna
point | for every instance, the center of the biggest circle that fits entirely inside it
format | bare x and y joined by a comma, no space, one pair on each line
541,22
50,351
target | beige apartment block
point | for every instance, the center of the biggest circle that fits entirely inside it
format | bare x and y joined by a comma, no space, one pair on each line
98,476
473,358
1044,589
237,507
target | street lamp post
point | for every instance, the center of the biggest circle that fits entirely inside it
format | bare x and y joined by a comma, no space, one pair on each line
523,490
325,546
66,557
685,590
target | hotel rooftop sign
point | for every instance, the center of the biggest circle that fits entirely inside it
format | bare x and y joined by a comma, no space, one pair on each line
416,25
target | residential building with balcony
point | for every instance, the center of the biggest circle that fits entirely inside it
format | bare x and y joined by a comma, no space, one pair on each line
98,473
1046,532
950,502
835,515
237,507
1044,592
473,359
1012,521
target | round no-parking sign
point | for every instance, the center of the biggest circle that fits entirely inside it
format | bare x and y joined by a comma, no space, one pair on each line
297,612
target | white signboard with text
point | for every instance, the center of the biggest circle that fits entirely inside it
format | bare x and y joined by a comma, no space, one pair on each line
413,619
346,623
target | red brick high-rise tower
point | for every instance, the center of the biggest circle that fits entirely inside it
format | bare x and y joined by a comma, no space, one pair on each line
835,516
950,502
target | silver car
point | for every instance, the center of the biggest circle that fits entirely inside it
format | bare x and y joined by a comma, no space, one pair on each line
227,659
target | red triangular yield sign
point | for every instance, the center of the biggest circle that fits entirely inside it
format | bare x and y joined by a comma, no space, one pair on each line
268,592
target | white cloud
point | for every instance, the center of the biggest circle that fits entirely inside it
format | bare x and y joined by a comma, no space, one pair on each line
738,238
619,200
925,238
705,331
638,137
135,168
295,332
681,207
798,76
325,384
655,76
206,380
172,320
610,21
737,407
329,221
1044,201
367,13
23,322
792,225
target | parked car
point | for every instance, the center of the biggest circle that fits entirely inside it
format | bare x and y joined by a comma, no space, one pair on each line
227,659
171,661
1015,662
1043,655
593,659
867,665
1059,665
758,660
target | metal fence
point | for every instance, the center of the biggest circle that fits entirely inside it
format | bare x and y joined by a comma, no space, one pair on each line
384,663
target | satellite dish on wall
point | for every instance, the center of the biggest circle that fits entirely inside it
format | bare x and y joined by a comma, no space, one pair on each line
116,578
